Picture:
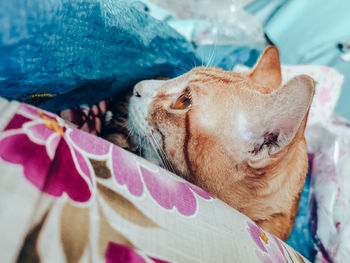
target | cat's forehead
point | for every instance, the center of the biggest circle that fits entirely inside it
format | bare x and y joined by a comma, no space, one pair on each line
202,77
231,81
214,74
211,70
213,80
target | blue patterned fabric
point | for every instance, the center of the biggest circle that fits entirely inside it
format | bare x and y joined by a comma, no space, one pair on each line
301,238
64,53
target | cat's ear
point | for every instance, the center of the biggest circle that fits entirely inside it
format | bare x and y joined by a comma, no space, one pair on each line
275,118
267,71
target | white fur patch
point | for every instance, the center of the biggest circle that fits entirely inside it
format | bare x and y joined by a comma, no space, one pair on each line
244,128
137,119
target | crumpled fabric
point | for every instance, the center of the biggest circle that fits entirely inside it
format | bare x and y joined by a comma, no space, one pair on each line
61,53
330,143
304,235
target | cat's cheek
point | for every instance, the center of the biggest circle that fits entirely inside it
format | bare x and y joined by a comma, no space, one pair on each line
137,116
151,155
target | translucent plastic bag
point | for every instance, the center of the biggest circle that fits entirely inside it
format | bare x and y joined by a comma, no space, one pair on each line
219,23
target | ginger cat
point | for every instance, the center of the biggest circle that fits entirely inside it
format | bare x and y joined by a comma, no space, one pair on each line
239,136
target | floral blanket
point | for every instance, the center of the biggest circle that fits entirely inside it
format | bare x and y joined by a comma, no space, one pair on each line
69,196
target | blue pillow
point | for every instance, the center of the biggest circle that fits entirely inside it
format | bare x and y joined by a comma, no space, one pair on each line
62,53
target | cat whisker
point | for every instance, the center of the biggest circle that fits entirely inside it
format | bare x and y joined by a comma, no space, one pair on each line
152,141
159,152
184,69
163,156
212,56
202,61
143,142
194,62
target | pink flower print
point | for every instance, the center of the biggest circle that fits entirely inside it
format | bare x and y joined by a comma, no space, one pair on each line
124,167
88,143
121,253
88,119
287,70
271,250
156,260
167,191
125,170
325,95
325,69
36,140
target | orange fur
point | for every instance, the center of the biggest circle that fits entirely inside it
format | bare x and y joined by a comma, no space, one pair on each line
242,139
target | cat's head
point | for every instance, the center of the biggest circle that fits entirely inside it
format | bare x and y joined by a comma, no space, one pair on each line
211,122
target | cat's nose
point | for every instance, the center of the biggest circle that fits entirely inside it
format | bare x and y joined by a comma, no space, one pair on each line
147,88
137,94
141,91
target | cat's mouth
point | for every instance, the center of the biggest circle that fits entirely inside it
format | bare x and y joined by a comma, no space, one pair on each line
147,139
139,104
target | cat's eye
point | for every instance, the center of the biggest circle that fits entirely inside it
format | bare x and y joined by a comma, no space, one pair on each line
183,102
